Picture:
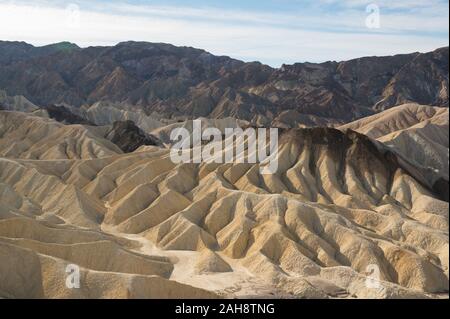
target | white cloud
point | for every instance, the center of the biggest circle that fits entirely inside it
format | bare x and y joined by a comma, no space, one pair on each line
270,38
389,4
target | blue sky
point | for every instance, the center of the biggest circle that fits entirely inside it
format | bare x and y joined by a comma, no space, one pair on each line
271,31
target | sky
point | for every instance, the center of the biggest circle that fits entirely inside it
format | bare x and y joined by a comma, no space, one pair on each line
274,32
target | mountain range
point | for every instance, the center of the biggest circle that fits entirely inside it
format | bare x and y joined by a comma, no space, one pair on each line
186,83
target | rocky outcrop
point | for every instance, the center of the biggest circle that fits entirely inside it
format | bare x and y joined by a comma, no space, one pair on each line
64,115
129,137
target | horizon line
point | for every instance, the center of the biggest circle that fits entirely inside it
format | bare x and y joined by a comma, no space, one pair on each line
219,55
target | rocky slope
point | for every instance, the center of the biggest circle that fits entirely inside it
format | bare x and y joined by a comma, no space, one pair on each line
139,225
36,136
181,82
16,103
418,133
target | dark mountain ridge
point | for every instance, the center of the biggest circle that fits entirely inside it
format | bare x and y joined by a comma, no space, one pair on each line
184,82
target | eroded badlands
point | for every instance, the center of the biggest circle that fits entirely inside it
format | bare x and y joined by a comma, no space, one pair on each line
140,226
